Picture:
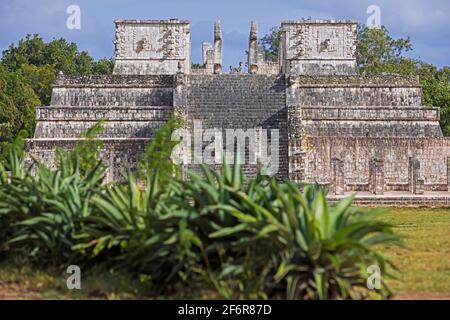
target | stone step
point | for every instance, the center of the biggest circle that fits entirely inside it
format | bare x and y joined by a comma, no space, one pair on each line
366,113
111,129
372,129
114,81
110,113
108,96
241,101
384,90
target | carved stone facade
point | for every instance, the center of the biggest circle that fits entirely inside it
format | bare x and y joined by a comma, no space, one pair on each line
324,47
348,132
152,47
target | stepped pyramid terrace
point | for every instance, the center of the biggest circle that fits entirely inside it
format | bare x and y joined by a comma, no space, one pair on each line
346,131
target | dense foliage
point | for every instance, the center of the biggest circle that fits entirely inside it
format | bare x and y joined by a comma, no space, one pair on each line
42,209
17,103
241,238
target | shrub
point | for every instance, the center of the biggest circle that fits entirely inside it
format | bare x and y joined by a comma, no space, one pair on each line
43,208
266,239
138,229
136,224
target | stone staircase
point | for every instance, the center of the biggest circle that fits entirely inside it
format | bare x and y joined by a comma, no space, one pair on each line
238,101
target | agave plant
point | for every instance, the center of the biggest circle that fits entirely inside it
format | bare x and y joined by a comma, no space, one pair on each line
42,208
139,225
267,239
135,228
224,213
325,250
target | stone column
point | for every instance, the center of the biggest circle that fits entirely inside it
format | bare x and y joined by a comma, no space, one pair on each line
448,174
180,91
181,110
337,179
253,49
376,176
416,185
217,48
206,52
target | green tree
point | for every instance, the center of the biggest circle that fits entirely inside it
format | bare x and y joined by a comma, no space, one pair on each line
39,62
375,47
271,43
103,66
17,104
40,79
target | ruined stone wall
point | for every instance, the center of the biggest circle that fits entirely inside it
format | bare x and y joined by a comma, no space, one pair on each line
360,106
152,47
318,47
366,121
119,129
114,90
131,106
357,153
96,113
268,68
117,154
354,91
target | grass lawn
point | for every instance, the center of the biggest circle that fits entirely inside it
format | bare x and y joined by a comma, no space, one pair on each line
424,262
424,266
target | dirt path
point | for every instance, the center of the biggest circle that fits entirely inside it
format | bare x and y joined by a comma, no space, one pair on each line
423,296
14,292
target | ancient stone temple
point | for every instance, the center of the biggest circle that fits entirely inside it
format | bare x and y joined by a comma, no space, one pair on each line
335,127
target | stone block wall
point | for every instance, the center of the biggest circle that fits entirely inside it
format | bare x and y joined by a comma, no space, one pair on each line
132,107
96,113
152,47
318,47
357,154
119,129
113,91
117,154
368,113
366,121
354,91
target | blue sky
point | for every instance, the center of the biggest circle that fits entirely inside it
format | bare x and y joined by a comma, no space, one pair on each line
425,21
